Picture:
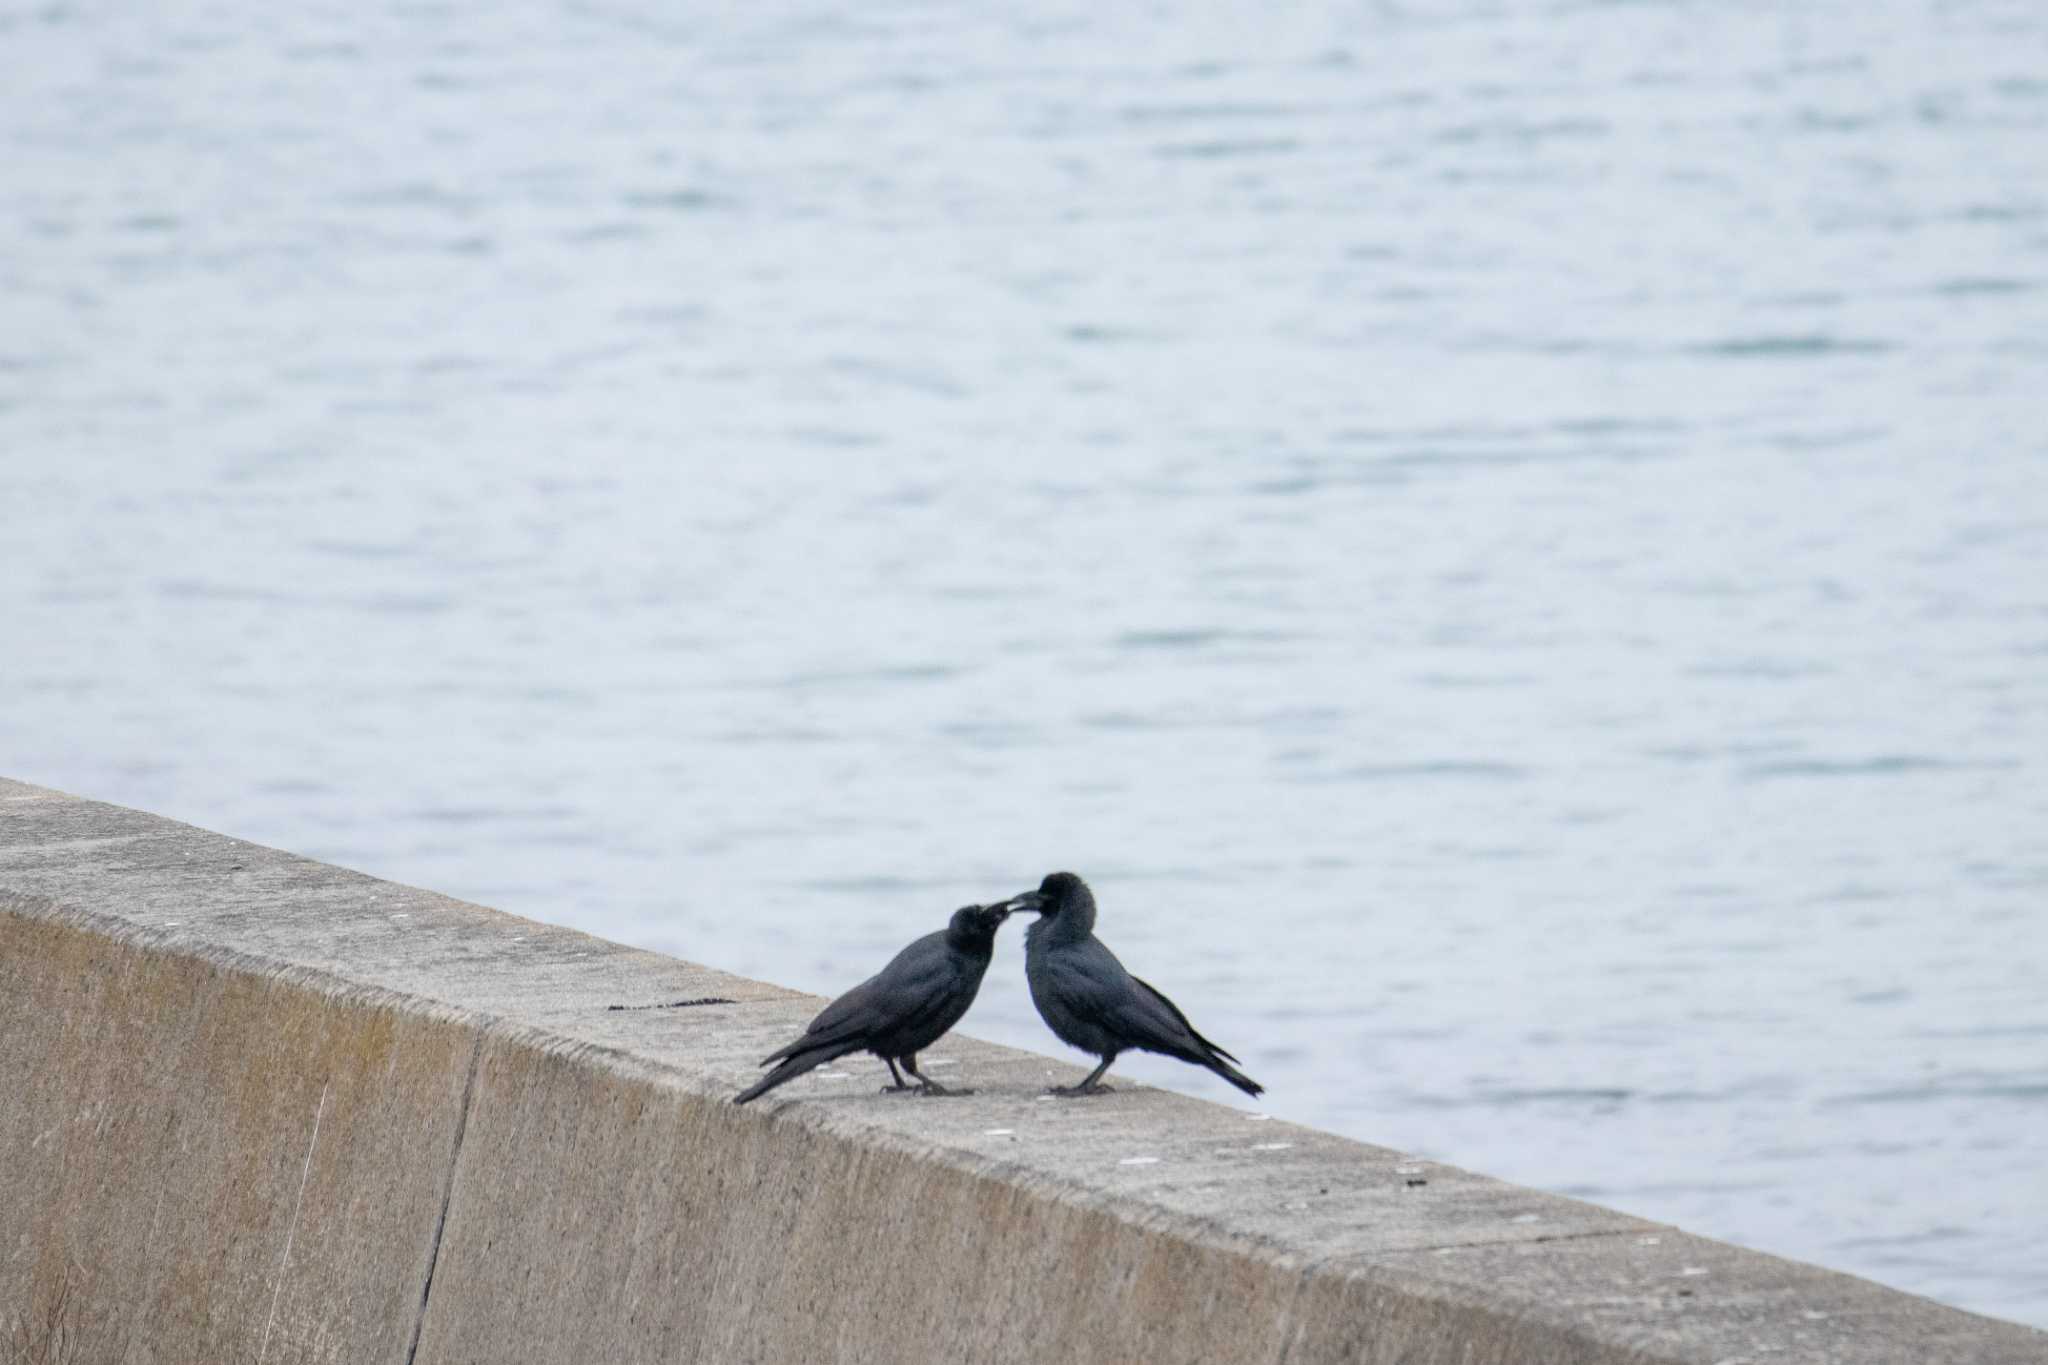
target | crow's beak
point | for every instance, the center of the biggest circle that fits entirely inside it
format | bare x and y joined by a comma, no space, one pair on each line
1030,900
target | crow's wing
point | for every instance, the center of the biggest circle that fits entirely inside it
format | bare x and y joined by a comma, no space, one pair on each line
1093,985
913,983
1181,1019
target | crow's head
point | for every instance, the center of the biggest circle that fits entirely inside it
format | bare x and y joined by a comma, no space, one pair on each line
1061,896
974,926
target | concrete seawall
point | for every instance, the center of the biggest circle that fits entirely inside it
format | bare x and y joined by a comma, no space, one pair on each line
258,1108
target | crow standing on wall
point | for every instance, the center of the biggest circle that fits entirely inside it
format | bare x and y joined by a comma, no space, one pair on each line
900,1010
1086,997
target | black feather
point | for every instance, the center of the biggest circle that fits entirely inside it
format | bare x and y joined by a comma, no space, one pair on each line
900,1010
1087,998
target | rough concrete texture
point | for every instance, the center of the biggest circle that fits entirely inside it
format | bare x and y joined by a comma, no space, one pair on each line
256,1108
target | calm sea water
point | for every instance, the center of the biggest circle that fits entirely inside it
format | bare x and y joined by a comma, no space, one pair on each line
1509,541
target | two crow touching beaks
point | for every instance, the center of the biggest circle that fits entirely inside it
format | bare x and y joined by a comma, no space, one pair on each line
1082,992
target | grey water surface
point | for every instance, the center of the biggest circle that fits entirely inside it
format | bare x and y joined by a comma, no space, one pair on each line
1510,541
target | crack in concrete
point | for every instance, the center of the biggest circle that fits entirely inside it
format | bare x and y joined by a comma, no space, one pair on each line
419,1321
1567,1237
1363,1258
292,1231
678,1004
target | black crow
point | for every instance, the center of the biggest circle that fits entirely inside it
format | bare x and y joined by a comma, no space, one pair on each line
1086,997
901,1009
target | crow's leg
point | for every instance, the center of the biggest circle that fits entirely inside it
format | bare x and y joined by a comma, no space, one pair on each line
899,1082
1092,1086
931,1087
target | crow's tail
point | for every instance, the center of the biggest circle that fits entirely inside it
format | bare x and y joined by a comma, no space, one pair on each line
1233,1075
791,1069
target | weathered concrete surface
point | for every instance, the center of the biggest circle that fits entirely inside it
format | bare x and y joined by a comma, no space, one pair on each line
159,1115
253,1107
